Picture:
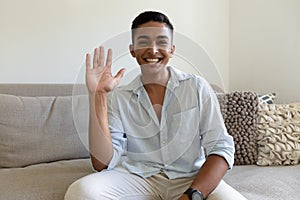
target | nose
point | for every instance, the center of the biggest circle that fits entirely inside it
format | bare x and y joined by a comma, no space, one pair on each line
153,49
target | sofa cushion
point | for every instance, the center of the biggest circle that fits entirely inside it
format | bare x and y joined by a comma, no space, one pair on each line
42,181
268,98
279,134
40,129
265,183
240,111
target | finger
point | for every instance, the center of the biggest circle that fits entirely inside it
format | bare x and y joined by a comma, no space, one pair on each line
101,57
88,61
120,74
109,58
96,56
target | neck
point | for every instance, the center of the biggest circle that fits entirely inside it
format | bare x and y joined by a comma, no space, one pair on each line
160,78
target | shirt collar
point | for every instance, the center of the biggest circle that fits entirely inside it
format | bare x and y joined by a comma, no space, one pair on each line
176,76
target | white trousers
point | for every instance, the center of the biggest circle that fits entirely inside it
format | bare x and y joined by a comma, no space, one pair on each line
119,184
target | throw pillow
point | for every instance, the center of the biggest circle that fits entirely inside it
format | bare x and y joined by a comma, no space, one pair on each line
279,134
268,98
240,111
40,129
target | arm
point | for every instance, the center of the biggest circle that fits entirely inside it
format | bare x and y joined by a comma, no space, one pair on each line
218,144
100,82
209,176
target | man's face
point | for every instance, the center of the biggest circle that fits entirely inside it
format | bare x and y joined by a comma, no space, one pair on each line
152,45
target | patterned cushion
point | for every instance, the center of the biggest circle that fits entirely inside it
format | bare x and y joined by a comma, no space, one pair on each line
279,134
240,112
268,98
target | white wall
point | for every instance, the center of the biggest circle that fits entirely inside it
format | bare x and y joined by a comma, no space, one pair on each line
265,47
44,41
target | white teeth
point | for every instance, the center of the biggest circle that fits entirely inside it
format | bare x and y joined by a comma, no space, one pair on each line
152,60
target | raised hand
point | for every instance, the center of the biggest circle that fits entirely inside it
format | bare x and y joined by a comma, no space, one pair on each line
99,78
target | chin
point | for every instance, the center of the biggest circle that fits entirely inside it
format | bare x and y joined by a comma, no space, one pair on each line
152,70
153,66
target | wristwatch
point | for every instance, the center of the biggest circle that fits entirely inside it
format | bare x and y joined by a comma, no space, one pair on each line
194,194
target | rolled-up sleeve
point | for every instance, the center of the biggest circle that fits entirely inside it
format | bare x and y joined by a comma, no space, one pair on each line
215,138
119,140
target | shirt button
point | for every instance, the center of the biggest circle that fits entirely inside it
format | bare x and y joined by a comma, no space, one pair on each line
164,141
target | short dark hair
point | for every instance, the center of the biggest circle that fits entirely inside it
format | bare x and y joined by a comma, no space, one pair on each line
148,16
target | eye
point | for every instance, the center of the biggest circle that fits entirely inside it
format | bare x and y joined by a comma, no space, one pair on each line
142,43
162,43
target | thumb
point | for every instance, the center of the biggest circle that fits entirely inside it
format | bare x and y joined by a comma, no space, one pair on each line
120,74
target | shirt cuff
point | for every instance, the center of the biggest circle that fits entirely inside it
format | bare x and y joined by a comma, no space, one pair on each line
114,161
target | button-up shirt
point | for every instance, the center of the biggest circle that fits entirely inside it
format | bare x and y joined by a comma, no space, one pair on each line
191,128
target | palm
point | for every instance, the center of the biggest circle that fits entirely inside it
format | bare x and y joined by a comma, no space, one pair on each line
99,78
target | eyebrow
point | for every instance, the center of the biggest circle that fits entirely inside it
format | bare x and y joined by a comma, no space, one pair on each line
143,37
147,37
162,37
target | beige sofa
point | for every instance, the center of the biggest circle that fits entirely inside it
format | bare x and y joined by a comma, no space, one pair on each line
43,148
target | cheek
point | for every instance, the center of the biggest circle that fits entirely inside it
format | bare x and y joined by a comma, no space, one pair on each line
166,54
139,52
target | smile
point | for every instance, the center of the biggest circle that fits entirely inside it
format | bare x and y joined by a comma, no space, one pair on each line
153,60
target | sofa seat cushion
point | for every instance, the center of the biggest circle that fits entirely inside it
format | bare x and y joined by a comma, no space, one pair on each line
42,181
264,183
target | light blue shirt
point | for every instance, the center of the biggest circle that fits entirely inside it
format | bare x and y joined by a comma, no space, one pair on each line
190,129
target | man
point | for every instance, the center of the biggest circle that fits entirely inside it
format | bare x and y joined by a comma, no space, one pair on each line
161,136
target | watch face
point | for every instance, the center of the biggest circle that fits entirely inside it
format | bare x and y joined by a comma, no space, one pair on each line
197,196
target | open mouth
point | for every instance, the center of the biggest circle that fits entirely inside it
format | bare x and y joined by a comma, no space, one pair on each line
153,60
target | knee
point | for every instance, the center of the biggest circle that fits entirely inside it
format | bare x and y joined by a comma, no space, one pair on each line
82,189
225,191
76,191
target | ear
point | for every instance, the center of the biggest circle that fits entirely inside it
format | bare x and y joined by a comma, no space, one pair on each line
131,49
172,50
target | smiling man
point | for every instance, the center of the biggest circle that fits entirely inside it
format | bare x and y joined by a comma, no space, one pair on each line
159,137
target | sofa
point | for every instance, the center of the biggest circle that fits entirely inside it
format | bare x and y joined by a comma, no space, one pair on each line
43,144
